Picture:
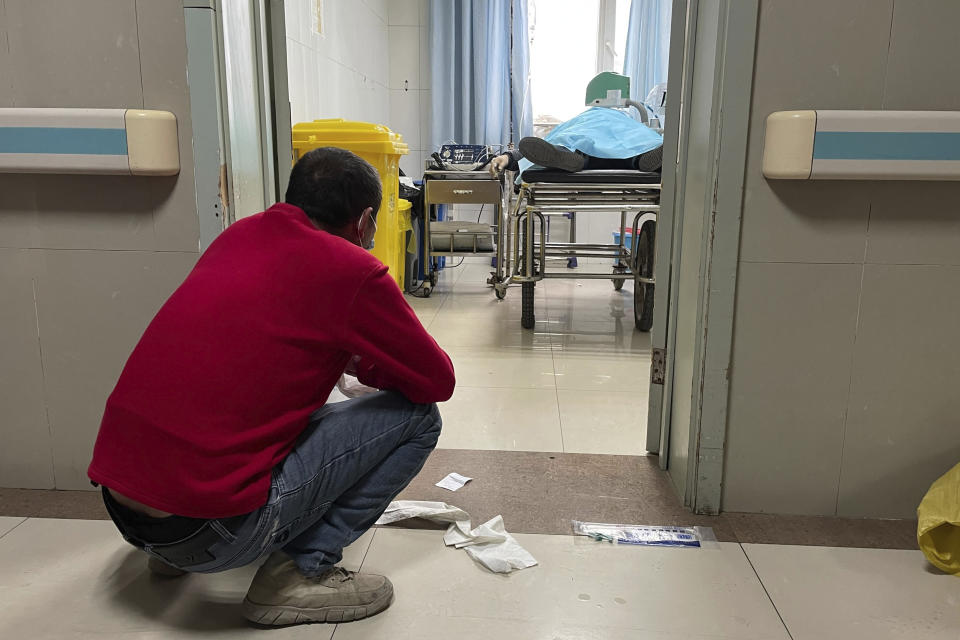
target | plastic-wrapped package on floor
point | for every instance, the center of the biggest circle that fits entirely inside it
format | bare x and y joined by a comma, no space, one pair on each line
645,535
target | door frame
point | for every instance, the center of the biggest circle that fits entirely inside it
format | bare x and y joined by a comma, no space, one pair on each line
683,29
278,98
729,126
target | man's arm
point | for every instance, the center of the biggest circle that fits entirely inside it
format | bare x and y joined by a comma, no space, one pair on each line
395,352
506,161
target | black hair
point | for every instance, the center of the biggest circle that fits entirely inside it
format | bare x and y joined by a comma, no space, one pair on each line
333,186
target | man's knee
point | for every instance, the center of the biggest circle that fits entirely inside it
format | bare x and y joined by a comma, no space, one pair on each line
428,418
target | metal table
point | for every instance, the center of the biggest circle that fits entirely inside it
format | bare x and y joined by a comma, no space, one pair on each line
462,187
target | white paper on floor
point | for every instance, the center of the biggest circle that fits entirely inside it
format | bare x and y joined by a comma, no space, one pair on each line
489,544
453,481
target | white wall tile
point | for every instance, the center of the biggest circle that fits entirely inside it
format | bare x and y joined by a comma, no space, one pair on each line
379,9
305,19
380,97
902,430
405,115
322,43
313,69
380,54
793,343
344,72
826,222
923,51
25,458
404,13
914,225
328,94
404,57
340,29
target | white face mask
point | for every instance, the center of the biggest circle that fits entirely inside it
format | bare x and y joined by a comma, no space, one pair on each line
368,244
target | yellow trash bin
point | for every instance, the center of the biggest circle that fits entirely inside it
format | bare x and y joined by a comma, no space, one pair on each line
403,226
382,148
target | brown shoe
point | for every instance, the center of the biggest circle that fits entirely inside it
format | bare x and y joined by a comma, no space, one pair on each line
281,595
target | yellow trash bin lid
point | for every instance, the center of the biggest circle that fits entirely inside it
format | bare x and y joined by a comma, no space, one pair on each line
359,137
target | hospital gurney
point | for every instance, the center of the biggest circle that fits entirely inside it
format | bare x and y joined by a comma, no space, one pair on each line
544,193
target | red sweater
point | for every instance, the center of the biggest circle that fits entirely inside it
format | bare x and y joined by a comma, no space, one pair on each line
254,340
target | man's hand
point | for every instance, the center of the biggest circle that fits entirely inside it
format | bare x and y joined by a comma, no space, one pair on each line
499,164
351,368
352,388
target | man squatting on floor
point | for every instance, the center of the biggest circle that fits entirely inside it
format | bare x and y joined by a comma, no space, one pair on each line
216,446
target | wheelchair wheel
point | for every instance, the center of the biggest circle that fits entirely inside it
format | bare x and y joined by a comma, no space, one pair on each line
643,293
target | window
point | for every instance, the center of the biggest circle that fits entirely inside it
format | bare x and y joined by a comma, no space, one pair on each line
565,56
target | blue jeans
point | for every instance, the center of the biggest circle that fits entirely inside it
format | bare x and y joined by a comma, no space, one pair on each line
353,458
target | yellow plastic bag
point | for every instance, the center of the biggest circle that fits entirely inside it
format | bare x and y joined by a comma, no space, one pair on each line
938,529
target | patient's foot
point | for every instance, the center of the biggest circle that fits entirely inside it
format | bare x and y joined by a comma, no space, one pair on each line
649,161
541,152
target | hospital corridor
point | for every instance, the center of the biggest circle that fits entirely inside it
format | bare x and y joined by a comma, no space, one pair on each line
480,319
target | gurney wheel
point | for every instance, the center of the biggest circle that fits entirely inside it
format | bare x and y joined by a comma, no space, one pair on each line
618,270
643,306
500,290
527,317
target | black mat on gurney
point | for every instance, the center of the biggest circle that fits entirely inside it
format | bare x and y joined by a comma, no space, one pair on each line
599,176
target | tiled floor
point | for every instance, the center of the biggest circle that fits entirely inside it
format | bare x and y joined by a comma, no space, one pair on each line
531,411
575,384
77,579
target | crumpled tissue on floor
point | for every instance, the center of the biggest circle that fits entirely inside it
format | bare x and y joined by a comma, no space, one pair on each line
489,544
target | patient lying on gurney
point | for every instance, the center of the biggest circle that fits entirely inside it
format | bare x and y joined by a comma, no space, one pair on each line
598,138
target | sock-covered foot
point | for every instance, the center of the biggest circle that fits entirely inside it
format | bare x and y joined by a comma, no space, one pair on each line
649,161
280,594
541,152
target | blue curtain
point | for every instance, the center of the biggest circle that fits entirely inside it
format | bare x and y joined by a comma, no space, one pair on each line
470,72
648,46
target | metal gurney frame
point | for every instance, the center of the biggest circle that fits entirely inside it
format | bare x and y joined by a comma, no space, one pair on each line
551,193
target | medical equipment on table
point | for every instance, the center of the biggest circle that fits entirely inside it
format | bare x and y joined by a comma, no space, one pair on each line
463,157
